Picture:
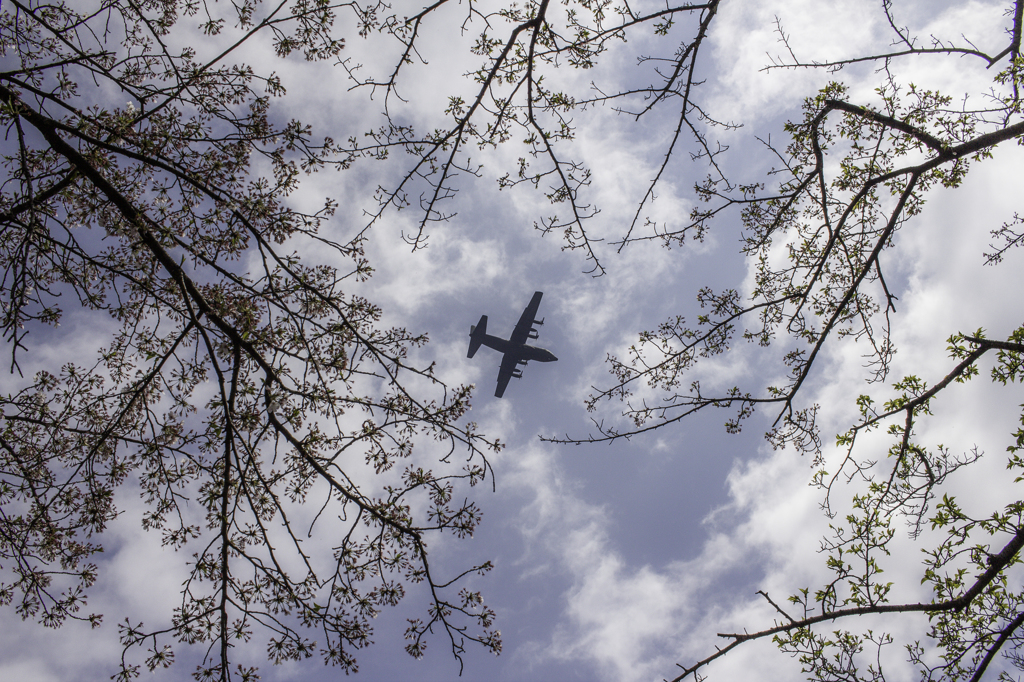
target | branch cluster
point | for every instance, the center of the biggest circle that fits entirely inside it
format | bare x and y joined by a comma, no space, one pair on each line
240,381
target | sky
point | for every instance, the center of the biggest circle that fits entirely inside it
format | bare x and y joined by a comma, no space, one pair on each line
618,561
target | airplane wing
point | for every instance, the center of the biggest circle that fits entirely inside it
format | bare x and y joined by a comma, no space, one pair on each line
508,368
521,334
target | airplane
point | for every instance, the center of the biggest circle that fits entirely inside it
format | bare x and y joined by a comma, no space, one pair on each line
516,351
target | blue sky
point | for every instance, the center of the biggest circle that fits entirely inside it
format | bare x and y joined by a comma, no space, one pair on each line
617,561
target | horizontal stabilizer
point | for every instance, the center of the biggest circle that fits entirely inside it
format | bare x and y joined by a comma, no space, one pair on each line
476,335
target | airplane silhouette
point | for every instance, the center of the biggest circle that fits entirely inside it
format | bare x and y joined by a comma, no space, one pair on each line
516,351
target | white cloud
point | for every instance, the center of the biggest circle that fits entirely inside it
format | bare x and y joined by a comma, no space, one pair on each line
634,622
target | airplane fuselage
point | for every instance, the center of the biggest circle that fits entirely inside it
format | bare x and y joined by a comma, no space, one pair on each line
521,351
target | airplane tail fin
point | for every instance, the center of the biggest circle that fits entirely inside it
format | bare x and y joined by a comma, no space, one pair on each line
476,335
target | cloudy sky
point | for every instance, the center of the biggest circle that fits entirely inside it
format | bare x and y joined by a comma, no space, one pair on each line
615,562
